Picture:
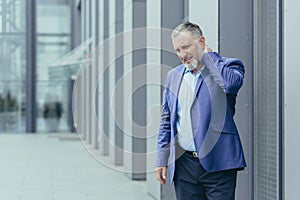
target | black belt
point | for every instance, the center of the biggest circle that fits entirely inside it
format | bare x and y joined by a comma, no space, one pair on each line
193,153
180,150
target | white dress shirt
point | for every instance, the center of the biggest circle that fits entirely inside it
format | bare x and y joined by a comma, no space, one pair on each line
185,100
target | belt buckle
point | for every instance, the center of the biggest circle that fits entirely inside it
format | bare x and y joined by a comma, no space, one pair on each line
195,154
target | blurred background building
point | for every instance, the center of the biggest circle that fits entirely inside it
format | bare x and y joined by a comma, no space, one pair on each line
46,46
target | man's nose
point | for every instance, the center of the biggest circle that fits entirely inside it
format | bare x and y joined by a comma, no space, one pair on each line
182,54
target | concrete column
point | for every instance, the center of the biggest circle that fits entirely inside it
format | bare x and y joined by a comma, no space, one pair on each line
83,25
135,142
100,80
139,94
127,103
153,92
106,102
170,20
94,73
291,173
119,89
85,79
89,75
112,71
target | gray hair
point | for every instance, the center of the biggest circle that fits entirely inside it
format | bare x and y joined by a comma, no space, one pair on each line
192,28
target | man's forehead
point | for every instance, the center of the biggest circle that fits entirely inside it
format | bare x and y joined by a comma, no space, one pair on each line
182,38
184,34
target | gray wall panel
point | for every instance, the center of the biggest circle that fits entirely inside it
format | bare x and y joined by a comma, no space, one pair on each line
95,35
75,25
119,135
172,14
291,100
139,101
267,98
235,29
106,102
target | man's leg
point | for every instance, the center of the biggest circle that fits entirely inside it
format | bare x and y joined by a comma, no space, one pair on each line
187,172
220,185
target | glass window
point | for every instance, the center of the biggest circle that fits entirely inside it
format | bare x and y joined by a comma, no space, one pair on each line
53,42
12,66
53,16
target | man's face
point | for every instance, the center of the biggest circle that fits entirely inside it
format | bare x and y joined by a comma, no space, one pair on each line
189,50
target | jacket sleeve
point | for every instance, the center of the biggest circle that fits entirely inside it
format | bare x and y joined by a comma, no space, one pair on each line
164,133
227,72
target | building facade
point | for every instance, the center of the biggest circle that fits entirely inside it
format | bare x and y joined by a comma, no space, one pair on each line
105,62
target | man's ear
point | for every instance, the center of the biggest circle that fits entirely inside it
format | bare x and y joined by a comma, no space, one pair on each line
202,41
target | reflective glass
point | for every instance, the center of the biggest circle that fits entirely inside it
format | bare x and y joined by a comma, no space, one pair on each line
52,106
53,16
12,66
53,42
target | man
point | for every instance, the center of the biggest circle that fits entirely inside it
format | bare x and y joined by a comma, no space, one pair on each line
197,132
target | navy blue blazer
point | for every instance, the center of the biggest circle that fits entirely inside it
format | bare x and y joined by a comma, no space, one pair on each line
215,133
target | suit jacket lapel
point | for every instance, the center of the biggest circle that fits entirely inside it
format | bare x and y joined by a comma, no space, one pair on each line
177,82
200,81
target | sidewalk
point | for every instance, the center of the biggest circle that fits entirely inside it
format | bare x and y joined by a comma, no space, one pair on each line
57,167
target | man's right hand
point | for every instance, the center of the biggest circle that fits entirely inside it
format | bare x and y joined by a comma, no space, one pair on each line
161,174
207,49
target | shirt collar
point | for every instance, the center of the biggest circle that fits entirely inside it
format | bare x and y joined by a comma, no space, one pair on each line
189,70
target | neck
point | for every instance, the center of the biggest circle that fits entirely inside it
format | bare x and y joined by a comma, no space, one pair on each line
200,66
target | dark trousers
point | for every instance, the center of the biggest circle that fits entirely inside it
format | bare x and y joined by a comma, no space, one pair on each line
192,182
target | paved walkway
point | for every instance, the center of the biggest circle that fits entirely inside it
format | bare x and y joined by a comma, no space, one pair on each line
57,167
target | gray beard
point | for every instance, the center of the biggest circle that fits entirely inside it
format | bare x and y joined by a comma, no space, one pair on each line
191,66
